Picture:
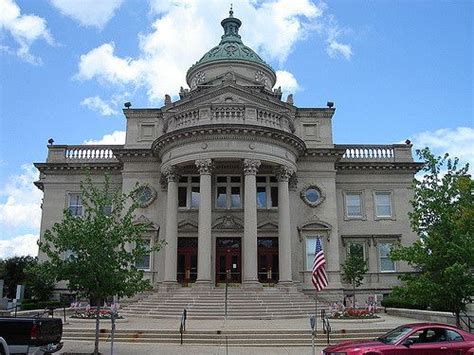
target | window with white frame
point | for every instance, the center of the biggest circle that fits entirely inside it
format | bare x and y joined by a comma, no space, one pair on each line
75,204
188,192
355,248
267,192
143,263
386,264
228,192
353,204
310,249
383,204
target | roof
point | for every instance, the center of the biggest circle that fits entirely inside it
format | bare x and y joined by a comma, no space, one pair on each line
231,46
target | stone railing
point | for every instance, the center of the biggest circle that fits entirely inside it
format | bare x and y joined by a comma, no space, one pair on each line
227,114
81,153
377,153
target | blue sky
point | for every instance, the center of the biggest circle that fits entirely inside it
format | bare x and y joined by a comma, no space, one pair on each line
395,70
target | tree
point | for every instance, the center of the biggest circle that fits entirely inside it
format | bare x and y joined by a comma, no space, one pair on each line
353,270
12,271
443,218
102,246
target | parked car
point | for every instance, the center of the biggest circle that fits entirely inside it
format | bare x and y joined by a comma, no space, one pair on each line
32,334
4,347
413,339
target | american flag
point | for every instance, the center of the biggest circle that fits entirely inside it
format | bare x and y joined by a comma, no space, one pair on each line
320,279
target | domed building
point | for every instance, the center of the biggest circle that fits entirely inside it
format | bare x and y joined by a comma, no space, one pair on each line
236,179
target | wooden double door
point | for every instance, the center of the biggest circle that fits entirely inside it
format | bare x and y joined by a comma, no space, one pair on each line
228,260
187,260
268,268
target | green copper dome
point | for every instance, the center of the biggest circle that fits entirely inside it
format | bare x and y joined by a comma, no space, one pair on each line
231,46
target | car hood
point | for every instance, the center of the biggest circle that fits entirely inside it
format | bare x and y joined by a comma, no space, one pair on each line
350,345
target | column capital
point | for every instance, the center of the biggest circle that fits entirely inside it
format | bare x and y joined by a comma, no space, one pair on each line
205,166
283,173
171,173
251,166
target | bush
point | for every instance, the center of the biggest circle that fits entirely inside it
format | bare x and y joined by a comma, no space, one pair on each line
28,305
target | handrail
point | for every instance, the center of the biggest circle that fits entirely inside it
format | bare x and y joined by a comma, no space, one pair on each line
182,326
326,326
467,320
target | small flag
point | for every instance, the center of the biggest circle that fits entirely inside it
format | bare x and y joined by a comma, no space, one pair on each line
320,279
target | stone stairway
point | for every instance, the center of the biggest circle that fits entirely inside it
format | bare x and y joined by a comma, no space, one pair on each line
231,337
267,303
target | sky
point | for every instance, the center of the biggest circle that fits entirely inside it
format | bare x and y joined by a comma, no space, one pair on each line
396,70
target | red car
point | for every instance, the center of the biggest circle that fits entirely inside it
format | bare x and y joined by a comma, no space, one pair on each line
413,339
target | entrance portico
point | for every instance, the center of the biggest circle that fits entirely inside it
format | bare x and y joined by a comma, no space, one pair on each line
243,258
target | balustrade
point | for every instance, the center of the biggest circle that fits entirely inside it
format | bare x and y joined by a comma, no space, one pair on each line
82,153
366,152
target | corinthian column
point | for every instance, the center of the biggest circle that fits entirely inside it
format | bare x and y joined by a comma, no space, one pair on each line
250,222
171,232
283,174
204,230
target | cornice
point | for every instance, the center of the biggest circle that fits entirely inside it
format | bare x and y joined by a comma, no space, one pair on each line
322,154
322,112
228,131
379,167
73,167
134,155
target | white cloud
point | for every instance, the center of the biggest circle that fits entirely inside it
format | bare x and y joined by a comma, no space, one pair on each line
458,142
287,82
117,137
21,208
185,29
21,245
335,48
95,103
91,13
24,29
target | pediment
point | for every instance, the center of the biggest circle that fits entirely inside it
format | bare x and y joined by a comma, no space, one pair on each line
228,222
230,93
187,226
315,226
142,219
268,226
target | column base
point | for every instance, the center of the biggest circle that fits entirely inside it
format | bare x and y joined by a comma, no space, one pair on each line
252,285
203,284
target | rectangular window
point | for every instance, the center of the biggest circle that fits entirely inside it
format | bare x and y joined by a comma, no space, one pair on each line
144,262
386,264
75,204
355,249
228,192
261,197
310,249
267,192
353,205
188,192
383,204
107,209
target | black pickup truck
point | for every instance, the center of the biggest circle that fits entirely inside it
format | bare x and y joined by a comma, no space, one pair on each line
26,335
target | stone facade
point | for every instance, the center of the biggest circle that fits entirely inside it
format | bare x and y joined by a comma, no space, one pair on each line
237,179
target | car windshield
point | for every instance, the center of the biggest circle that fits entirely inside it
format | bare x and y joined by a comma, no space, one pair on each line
394,335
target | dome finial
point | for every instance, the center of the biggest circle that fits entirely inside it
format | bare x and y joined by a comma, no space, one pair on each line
231,12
